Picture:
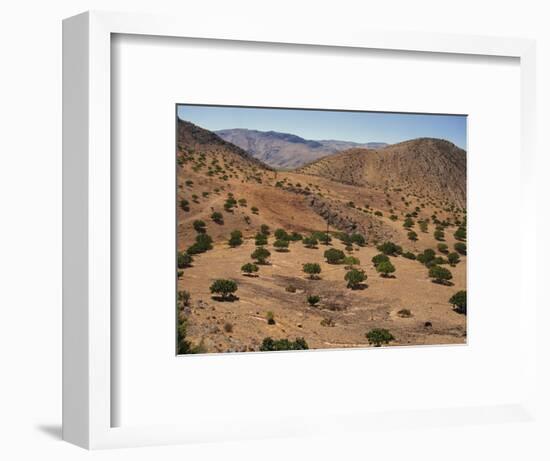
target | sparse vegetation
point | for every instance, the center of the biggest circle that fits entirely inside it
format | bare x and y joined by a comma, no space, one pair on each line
458,301
312,300
199,226
184,260
355,278
312,270
379,336
404,313
334,256
261,254
249,268
390,249
385,268
440,275
224,288
217,217
236,238
460,247
270,344
270,317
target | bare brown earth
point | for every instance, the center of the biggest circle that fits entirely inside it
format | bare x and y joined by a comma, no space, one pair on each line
303,201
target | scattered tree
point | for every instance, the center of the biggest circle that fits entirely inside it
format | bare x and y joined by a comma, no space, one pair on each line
409,255
270,344
442,247
236,238
310,242
281,245
313,300
379,336
184,260
440,274
413,236
408,223
217,217
334,256
264,229
390,249
280,234
261,254
385,268
379,258
439,235
261,239
184,204
358,239
351,261
458,301
460,234
312,269
225,288
460,247
249,268
270,317
199,226
355,277
453,259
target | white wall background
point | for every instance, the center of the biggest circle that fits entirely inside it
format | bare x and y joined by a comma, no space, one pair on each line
30,229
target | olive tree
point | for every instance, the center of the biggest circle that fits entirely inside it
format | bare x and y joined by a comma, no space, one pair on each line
379,336
312,269
223,287
440,274
354,278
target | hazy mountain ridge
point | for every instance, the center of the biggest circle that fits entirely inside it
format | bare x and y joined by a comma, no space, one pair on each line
285,150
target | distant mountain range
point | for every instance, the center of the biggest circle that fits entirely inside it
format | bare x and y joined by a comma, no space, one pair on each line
287,151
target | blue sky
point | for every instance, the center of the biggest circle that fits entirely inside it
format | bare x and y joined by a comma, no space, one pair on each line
324,124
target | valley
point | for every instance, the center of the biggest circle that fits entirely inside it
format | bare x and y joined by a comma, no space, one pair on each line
406,202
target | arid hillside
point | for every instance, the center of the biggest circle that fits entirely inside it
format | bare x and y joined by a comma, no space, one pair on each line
425,167
253,269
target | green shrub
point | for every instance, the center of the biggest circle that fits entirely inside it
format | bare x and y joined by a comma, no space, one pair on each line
255,210
409,255
184,260
460,247
249,268
440,274
312,269
281,245
270,344
184,204
458,301
260,254
310,242
236,238
408,223
379,336
355,277
261,239
184,297
280,234
199,226
385,268
313,300
390,249
295,237
264,229
334,256
439,235
351,261
358,239
223,287
322,237
453,259
217,217
203,242
460,233
412,235
442,247
379,258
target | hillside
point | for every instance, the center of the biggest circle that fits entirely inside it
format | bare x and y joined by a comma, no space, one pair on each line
364,198
284,150
425,167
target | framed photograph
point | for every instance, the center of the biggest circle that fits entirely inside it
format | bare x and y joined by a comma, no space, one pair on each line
254,219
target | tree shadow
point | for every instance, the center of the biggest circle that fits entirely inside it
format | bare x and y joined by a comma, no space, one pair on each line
226,299
446,283
359,287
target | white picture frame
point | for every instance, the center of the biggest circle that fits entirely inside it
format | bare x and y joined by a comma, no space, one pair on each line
87,359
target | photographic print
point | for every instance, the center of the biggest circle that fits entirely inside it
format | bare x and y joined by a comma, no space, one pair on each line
319,229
